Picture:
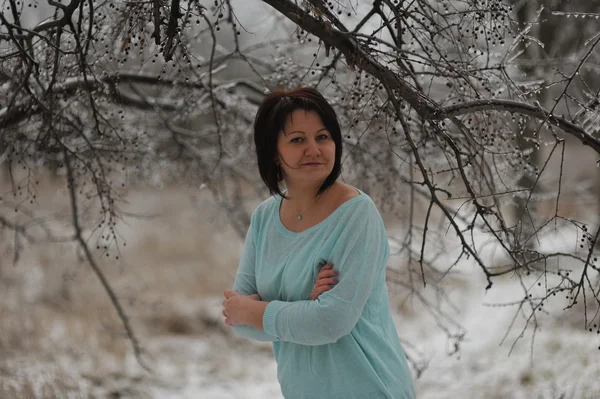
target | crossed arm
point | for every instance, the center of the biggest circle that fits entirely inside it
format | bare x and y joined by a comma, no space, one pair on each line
360,254
243,311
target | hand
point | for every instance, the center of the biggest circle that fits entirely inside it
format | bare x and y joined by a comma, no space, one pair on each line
234,307
326,279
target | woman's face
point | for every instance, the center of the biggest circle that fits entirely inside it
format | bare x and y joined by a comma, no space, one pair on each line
306,148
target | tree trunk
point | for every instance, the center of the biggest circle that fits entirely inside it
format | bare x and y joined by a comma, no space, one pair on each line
4,171
526,211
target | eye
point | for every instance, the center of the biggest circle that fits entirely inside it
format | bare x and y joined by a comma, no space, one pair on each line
323,137
296,140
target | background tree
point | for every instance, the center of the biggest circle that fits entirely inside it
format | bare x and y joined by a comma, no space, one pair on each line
435,107
547,55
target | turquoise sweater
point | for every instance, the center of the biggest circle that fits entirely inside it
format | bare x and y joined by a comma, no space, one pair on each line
343,345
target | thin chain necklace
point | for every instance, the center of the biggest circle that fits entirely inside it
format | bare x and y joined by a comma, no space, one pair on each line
299,217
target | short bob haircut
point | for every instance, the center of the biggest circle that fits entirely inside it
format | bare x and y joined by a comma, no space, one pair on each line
272,115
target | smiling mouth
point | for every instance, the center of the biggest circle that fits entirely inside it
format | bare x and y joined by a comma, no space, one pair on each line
312,163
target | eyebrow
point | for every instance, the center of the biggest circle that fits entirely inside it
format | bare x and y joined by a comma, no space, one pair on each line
300,131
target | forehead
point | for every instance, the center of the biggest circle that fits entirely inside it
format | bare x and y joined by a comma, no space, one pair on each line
302,119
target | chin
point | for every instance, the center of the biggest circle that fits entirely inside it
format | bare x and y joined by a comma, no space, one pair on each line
317,176
311,177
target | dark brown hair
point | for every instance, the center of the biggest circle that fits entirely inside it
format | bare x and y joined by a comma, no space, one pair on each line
271,117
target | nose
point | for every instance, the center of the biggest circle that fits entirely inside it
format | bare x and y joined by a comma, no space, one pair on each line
312,148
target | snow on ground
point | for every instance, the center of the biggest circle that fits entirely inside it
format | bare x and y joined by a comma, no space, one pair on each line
561,362
59,337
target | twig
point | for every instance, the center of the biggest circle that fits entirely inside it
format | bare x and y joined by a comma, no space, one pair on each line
92,262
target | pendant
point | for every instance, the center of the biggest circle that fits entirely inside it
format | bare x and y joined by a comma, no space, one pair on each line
299,217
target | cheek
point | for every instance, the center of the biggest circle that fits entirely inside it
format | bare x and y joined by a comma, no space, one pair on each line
289,157
331,150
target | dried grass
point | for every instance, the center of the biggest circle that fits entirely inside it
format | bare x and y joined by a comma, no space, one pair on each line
52,306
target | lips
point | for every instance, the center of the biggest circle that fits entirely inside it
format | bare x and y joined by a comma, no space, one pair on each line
311,163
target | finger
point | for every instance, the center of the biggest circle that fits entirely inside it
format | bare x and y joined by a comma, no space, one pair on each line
320,290
327,281
324,268
229,293
324,288
223,313
316,292
327,273
256,297
325,276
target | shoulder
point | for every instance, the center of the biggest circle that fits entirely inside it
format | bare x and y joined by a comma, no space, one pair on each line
359,208
262,216
363,202
267,205
360,224
345,193
263,211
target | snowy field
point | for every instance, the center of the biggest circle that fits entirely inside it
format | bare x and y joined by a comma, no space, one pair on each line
60,337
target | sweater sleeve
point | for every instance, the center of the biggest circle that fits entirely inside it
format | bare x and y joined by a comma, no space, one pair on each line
245,283
360,255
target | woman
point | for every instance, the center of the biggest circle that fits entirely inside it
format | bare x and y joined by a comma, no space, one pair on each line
343,344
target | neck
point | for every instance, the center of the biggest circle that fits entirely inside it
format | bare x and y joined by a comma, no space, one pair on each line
302,196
